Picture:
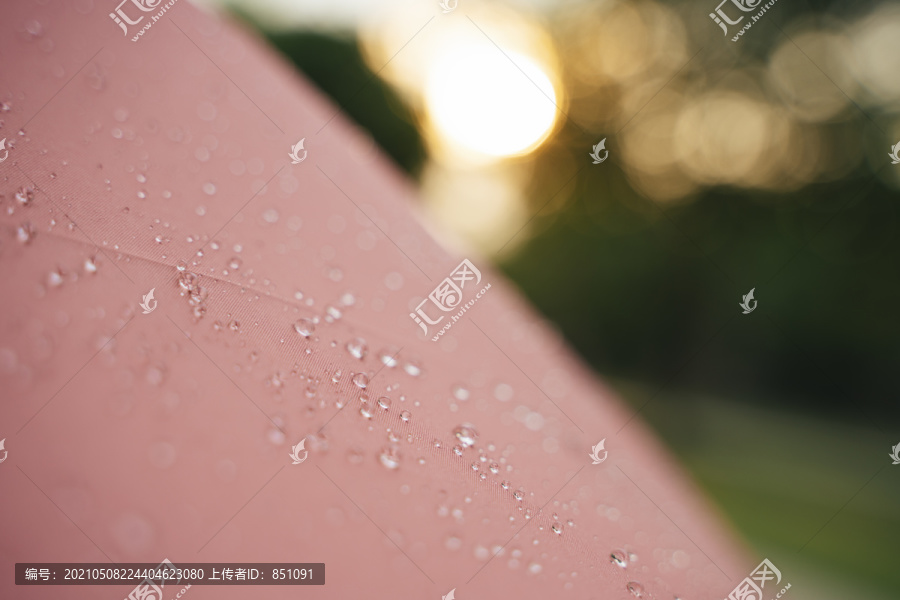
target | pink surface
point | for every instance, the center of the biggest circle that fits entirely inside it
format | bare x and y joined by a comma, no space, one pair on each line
135,437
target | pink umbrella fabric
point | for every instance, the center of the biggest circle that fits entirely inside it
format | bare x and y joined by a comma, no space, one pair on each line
141,428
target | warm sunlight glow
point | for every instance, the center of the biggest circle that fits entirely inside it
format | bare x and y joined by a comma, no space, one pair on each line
478,100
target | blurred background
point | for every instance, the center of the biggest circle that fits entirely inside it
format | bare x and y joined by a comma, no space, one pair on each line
762,163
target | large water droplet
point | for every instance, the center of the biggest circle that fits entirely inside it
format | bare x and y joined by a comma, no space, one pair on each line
388,357
361,380
466,434
636,589
389,458
358,348
332,313
405,415
25,195
187,280
619,557
304,327
55,278
412,369
25,233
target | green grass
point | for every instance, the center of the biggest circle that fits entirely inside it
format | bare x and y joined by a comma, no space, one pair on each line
816,496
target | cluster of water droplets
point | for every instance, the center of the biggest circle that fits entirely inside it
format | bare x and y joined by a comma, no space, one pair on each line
190,288
623,559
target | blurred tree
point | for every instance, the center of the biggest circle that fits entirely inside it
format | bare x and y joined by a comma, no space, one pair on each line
337,67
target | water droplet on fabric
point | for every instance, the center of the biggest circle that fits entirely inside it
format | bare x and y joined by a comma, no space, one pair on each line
388,358
187,280
25,233
619,558
460,393
361,380
405,415
636,589
466,434
358,348
412,369
25,195
389,458
55,278
270,215
276,436
304,327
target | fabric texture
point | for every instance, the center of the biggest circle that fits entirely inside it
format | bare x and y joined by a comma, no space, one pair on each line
284,293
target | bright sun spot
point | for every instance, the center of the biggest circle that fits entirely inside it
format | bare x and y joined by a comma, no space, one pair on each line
480,101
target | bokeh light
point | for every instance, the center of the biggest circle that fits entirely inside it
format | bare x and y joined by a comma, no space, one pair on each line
478,99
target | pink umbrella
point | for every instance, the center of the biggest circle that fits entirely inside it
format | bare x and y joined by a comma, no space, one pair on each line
217,346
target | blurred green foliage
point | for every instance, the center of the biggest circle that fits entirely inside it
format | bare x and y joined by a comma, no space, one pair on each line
337,68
